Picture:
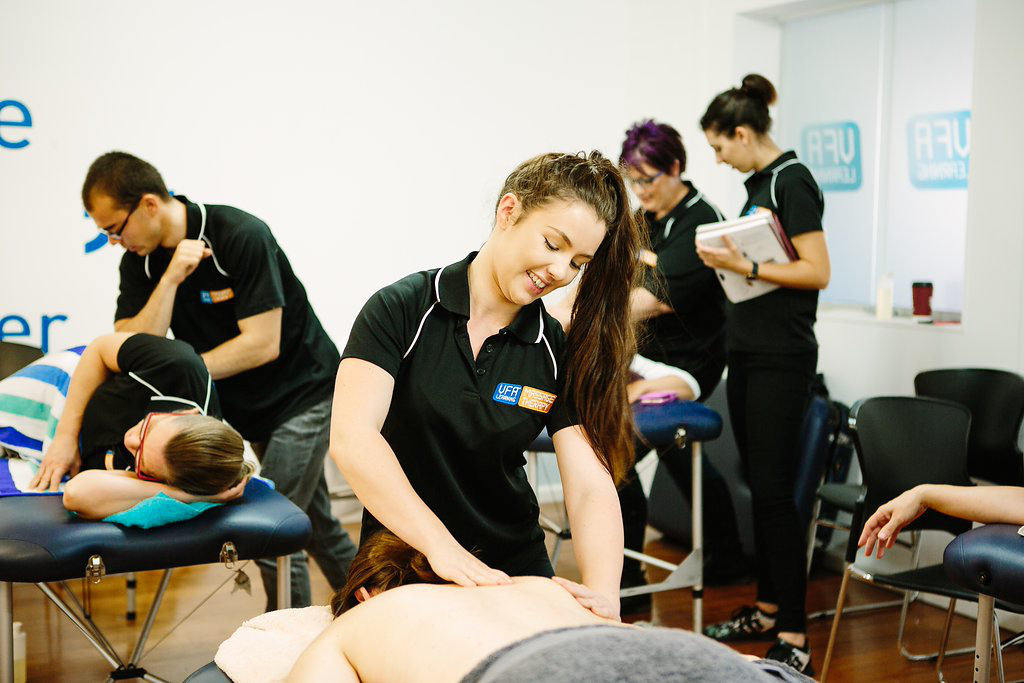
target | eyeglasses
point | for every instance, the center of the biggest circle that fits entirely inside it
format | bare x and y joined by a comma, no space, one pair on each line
142,441
645,182
116,234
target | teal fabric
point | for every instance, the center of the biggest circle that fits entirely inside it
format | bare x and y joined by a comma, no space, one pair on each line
159,510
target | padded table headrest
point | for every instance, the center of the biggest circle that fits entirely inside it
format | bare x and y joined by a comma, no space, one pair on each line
41,541
988,560
658,424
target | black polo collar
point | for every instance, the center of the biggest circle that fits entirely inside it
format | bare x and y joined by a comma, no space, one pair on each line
767,171
451,288
193,218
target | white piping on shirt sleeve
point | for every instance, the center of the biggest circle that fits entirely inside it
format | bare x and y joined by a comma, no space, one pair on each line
418,330
651,369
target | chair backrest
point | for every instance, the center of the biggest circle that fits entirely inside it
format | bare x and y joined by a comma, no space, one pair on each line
904,441
996,401
14,357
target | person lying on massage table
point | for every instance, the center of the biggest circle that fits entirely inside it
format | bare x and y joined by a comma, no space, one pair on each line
387,629
141,418
985,504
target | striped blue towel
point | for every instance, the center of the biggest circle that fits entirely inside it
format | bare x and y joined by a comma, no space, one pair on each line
31,403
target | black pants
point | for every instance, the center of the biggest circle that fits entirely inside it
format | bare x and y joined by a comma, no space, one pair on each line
721,535
768,398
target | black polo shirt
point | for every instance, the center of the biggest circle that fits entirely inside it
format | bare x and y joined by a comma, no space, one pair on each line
692,337
781,321
158,375
248,274
459,425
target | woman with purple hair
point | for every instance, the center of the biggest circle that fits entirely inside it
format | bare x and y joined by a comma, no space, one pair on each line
685,310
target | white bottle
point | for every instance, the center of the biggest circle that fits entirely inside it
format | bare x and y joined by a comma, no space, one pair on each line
883,298
19,653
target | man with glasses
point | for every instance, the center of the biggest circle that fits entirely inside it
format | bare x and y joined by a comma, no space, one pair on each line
216,277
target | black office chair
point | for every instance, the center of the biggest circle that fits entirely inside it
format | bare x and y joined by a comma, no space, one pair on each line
996,401
903,442
14,357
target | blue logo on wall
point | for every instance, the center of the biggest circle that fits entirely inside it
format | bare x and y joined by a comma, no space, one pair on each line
832,152
18,326
507,393
14,114
939,150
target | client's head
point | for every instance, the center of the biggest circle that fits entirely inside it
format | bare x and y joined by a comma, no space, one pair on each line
200,455
384,561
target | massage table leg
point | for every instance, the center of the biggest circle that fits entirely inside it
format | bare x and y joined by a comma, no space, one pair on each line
6,632
284,582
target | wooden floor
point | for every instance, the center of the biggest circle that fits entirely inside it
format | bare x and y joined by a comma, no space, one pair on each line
57,652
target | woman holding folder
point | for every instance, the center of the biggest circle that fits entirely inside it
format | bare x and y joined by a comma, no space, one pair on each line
772,357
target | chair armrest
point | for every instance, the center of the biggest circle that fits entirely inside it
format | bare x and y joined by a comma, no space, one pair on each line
988,560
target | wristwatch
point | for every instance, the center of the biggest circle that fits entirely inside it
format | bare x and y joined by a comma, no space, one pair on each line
752,275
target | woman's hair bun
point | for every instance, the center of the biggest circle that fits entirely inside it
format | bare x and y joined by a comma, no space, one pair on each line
759,87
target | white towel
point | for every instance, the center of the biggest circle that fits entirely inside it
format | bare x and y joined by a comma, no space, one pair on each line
265,648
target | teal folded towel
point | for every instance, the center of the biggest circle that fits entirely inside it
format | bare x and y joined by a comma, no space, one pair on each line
159,510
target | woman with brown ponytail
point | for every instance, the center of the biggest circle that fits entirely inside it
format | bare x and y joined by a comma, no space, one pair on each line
450,373
772,357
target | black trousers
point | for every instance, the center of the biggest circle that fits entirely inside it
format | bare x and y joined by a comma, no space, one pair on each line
768,398
721,535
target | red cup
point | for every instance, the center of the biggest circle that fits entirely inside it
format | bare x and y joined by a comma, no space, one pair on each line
922,292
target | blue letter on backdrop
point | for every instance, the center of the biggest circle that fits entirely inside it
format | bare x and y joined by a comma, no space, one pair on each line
832,152
25,122
939,150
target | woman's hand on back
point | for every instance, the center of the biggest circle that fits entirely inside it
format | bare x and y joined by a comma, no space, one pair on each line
456,564
598,603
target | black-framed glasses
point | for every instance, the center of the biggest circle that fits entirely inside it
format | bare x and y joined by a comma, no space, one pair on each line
116,234
645,182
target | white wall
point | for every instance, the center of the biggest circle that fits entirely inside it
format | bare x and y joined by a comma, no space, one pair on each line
372,137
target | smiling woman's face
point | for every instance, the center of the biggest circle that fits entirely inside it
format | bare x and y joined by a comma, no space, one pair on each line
544,249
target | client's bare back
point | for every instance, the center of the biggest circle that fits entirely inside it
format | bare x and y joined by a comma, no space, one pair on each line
436,633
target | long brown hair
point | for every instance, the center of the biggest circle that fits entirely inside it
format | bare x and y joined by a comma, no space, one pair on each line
205,456
601,340
384,561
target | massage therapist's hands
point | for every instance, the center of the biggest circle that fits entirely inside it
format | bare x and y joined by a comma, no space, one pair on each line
728,257
454,563
889,519
187,257
598,603
62,457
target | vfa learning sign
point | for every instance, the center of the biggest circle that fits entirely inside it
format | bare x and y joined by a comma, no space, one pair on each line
939,150
832,152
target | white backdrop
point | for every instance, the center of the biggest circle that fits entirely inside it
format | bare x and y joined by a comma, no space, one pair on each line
372,137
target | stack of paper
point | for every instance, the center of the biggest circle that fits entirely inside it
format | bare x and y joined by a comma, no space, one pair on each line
759,237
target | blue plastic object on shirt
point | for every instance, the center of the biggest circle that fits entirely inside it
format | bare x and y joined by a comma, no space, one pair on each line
159,510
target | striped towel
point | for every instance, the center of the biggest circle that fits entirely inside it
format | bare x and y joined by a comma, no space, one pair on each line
31,403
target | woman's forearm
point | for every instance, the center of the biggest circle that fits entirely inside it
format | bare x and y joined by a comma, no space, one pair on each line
372,470
985,504
596,521
97,363
96,494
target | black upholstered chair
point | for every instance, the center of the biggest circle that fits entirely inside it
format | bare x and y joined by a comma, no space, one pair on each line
903,442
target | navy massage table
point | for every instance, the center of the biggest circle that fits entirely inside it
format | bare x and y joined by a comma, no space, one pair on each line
660,426
40,542
988,560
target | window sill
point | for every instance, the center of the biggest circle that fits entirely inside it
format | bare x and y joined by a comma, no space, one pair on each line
858,315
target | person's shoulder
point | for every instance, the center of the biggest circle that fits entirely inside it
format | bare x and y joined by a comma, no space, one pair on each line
229,222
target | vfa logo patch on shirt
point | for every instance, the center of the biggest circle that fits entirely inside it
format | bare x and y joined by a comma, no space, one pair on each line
525,397
216,296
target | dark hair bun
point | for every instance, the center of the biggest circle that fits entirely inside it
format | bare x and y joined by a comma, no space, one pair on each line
759,87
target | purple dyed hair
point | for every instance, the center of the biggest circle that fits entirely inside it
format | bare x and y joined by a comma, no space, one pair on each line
655,144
